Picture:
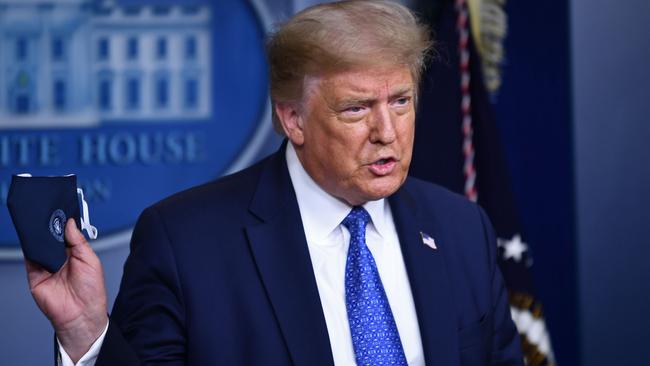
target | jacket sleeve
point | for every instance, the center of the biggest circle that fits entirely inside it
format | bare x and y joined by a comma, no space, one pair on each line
115,350
148,319
506,346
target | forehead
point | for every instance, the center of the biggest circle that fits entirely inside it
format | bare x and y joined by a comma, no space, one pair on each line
372,82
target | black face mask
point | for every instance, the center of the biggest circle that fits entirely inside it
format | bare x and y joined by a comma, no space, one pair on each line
39,208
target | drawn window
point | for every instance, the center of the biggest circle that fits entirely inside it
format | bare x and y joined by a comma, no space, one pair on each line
161,48
132,93
58,49
161,92
161,10
190,48
59,95
190,9
104,94
21,49
132,48
132,10
22,104
103,49
191,93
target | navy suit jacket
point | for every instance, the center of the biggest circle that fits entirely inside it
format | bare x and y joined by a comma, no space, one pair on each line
221,275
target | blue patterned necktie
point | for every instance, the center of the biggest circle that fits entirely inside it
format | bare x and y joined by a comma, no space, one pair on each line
374,334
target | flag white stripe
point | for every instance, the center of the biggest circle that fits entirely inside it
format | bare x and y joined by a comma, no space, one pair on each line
534,329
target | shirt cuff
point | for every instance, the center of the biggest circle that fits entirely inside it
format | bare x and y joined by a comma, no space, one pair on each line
88,359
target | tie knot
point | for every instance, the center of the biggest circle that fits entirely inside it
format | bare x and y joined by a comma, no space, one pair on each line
357,219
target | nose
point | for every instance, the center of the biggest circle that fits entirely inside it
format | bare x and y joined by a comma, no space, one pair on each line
382,129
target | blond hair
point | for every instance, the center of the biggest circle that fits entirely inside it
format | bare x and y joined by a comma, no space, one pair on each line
341,36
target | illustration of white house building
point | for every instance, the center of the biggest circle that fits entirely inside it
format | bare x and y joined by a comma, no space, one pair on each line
80,63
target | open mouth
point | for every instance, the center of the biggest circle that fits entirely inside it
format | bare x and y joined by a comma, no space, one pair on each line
383,166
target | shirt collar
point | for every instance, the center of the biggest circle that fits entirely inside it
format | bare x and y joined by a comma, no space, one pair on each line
321,212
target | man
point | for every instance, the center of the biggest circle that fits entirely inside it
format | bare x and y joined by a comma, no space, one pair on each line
323,253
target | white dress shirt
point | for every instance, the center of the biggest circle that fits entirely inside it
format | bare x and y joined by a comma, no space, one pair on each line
328,243
88,359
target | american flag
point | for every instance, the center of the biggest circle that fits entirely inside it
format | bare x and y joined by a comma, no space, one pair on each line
428,241
457,145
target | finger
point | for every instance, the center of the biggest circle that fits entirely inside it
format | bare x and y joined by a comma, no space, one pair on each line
77,245
74,239
35,273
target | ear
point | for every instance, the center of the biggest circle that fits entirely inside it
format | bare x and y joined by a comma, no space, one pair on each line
291,121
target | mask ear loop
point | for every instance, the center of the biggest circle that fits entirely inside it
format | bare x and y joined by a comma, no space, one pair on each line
85,220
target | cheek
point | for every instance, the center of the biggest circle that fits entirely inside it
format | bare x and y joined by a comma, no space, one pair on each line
349,143
406,133
335,154
406,136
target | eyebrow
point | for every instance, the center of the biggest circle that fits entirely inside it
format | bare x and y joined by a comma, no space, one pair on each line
366,100
344,102
401,92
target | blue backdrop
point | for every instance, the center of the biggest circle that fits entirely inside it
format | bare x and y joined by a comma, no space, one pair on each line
572,114
533,112
611,49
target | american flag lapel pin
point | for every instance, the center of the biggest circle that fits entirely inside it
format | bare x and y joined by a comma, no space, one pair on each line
428,241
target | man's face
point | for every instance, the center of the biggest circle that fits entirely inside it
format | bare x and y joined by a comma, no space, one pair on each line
356,130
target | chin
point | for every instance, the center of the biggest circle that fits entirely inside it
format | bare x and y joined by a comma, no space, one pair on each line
383,191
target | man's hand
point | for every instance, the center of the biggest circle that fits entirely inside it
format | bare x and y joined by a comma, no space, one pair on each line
74,298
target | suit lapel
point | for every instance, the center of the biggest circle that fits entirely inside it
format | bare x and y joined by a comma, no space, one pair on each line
282,257
428,278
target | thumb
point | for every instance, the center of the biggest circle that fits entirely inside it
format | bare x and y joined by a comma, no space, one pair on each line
74,239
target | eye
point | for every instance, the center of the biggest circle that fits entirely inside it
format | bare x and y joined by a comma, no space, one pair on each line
353,109
402,101
353,112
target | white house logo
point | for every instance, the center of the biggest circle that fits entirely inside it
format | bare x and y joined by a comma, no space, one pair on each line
57,224
140,99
